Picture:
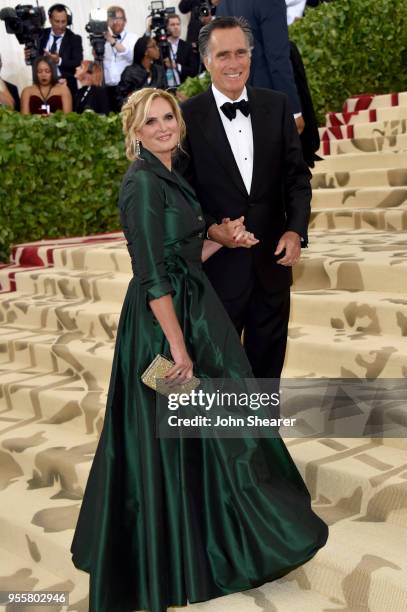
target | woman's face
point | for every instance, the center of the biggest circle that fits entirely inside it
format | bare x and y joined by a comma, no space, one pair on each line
44,73
160,134
152,50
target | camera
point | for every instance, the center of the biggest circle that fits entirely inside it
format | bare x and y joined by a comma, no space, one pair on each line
159,16
26,22
205,8
97,28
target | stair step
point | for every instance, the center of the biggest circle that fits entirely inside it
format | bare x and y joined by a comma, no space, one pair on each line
363,563
364,130
379,177
349,477
58,314
349,199
18,574
113,257
99,286
356,219
59,353
370,115
361,161
50,399
344,354
373,314
376,143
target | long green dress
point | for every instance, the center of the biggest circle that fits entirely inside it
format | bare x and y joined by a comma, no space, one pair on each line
167,521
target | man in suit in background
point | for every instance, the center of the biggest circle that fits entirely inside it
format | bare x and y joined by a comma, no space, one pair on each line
245,160
182,60
271,66
62,45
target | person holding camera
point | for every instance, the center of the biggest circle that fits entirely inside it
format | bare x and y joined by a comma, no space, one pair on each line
61,45
197,20
182,61
119,49
144,71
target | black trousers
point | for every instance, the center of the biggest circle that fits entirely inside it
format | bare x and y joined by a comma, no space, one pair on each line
263,317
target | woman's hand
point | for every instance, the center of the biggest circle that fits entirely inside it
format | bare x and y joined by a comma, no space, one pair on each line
183,368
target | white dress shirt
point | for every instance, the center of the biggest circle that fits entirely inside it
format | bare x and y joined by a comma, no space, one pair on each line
49,44
239,133
295,8
116,61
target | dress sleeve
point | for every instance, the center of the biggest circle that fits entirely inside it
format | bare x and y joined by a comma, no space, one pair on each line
142,215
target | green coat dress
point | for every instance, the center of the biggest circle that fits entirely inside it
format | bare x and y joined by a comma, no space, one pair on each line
170,521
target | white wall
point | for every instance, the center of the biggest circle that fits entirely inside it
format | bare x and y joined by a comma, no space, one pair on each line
14,68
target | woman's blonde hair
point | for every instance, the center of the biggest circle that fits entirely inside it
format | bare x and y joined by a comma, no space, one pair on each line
135,111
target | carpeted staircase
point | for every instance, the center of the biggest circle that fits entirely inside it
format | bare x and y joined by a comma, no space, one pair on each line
58,317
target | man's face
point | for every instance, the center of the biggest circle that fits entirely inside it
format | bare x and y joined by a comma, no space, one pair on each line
229,61
174,27
59,22
117,22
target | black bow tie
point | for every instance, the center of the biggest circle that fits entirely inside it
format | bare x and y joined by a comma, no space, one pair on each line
229,109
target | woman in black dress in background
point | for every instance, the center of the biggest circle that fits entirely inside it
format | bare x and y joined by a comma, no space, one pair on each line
144,71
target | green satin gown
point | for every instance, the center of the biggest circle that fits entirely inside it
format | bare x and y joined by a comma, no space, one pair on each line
170,521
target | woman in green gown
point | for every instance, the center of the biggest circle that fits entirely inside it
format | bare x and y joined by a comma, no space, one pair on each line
169,521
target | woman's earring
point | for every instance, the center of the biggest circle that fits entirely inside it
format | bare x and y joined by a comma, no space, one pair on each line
179,145
137,148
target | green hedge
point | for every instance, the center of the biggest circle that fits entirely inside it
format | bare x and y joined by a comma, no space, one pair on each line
348,47
60,176
351,47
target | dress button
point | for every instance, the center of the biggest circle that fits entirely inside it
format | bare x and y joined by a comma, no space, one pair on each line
200,218
200,235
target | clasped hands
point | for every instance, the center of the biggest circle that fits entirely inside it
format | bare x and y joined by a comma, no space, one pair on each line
233,234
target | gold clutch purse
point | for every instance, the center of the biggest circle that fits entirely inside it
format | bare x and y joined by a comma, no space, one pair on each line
157,370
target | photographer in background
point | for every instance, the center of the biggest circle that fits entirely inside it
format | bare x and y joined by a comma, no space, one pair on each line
196,22
61,45
9,97
182,61
118,53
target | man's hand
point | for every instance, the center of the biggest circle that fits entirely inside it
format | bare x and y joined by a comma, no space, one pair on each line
225,233
299,121
291,242
244,238
232,234
54,57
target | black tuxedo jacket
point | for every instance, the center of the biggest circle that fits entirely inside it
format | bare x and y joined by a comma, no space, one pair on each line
187,58
70,51
14,93
280,194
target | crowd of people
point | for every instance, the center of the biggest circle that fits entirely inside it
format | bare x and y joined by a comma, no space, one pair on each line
131,63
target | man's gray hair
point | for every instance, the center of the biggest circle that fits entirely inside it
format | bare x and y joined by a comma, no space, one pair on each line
223,23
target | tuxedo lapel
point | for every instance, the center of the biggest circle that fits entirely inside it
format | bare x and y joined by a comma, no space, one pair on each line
214,133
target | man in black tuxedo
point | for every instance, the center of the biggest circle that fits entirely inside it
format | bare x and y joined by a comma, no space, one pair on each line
182,59
271,66
245,159
62,45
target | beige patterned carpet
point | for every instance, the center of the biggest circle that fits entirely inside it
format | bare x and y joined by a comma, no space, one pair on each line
349,319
